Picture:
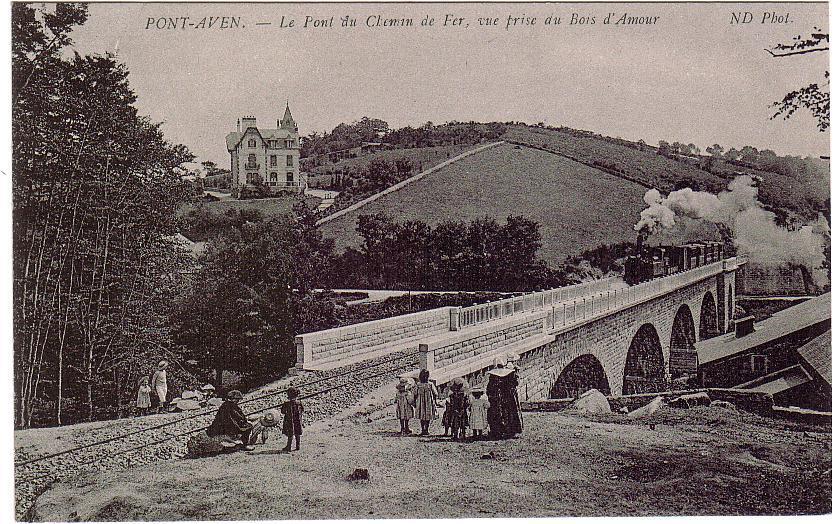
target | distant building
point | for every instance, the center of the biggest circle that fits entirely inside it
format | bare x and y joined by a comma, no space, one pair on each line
787,355
265,157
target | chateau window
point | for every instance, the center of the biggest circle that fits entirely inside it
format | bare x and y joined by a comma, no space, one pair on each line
273,160
289,179
273,177
273,144
289,160
253,142
290,143
251,160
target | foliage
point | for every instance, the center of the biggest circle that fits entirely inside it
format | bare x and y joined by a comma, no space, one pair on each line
255,296
95,192
811,97
347,136
480,255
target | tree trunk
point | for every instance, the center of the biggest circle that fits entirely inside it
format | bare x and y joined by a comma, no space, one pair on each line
218,377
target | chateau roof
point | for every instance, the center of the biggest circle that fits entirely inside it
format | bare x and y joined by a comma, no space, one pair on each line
234,138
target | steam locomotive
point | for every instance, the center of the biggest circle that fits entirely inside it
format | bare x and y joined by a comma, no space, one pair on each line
660,261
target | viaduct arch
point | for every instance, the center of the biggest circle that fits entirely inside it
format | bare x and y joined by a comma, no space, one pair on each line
632,346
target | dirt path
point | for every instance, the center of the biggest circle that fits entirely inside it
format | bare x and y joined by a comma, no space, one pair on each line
703,461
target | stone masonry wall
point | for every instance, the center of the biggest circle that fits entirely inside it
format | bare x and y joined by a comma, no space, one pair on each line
608,339
350,341
484,343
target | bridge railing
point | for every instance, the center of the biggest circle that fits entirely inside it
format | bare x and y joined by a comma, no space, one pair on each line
536,301
582,309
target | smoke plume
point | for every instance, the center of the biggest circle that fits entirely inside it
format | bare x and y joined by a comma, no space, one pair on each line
754,229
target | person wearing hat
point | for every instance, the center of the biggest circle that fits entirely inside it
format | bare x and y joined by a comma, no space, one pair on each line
458,409
207,391
230,421
404,400
478,412
292,411
159,384
262,426
504,414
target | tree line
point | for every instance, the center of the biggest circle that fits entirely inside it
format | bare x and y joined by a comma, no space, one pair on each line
347,136
95,191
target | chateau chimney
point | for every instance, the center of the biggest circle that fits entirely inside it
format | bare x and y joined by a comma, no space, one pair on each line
248,121
238,125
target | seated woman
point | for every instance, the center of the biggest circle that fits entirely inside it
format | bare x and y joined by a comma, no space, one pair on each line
231,423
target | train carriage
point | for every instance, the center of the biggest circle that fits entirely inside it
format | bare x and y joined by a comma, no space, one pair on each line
660,261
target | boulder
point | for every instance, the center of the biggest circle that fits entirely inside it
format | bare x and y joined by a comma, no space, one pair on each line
188,405
723,404
592,401
215,401
647,410
191,395
691,400
201,445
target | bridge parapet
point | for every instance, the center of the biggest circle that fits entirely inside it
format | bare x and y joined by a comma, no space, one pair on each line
345,345
462,353
481,313
569,314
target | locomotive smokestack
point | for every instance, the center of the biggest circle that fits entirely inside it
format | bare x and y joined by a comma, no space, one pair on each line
641,237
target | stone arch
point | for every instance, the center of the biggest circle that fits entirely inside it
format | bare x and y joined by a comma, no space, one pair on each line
644,367
682,355
708,323
583,373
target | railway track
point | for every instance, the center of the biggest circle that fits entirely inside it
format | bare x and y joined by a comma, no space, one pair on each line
325,395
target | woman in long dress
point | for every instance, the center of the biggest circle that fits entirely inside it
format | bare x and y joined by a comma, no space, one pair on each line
159,384
504,414
425,401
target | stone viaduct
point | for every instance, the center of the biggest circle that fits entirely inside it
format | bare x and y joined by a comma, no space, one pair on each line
604,334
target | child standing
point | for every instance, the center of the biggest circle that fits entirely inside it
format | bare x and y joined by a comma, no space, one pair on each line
458,409
447,417
405,404
425,401
292,411
478,416
143,397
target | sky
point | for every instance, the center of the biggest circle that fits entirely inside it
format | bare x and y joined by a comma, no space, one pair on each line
690,77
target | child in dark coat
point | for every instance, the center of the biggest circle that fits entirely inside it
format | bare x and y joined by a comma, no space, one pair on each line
458,409
292,411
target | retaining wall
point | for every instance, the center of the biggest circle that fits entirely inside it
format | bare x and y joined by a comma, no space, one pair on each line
344,345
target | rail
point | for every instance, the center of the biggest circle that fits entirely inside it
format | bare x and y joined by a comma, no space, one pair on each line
581,310
481,313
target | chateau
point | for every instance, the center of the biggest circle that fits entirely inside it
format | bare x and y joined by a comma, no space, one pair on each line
265,157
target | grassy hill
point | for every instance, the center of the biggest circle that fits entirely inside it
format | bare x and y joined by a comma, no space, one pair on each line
421,157
577,207
802,196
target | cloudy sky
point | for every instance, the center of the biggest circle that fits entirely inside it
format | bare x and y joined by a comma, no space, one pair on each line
691,77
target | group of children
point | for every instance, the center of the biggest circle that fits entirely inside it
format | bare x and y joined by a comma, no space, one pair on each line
461,410
232,430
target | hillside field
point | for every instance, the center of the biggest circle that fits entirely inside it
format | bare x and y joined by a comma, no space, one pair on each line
577,207
422,157
802,195
270,207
